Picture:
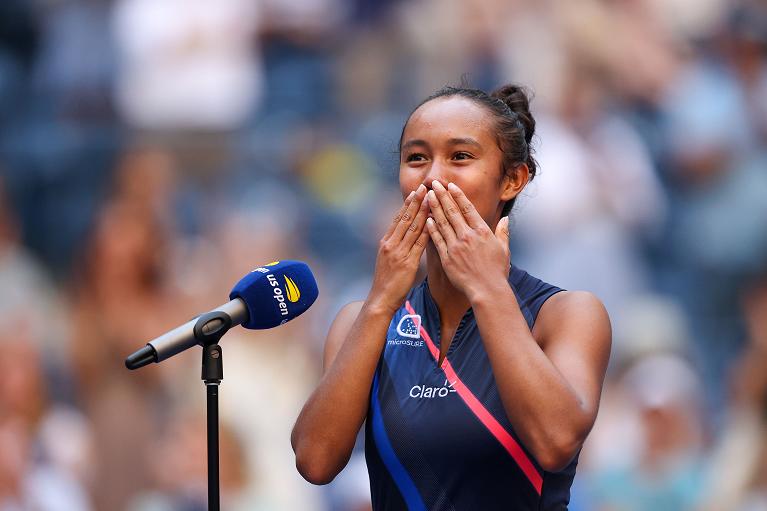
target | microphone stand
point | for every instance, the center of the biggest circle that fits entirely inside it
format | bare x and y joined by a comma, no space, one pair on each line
208,330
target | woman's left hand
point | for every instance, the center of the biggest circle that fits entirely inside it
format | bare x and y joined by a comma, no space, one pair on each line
473,257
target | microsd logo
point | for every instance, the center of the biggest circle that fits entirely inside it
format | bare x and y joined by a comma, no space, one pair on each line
291,290
426,392
410,326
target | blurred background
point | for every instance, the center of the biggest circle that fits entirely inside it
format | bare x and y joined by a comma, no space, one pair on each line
152,152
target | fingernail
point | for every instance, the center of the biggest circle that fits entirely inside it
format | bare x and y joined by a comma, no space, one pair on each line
412,194
436,184
421,188
431,195
429,222
451,186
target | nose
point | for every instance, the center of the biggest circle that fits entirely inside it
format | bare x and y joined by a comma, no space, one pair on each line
436,172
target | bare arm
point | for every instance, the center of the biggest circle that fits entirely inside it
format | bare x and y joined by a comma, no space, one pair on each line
325,431
551,390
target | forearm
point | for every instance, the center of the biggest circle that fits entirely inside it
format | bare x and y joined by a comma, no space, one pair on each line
326,429
545,410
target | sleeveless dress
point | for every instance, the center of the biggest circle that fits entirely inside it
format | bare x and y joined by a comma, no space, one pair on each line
437,438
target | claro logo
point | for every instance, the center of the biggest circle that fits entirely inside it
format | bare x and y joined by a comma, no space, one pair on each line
292,293
427,392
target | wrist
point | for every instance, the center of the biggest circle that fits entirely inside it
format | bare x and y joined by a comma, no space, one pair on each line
378,306
497,291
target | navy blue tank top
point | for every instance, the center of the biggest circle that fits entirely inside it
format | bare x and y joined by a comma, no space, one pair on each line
438,438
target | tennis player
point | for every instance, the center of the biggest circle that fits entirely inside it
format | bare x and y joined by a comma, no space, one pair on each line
479,385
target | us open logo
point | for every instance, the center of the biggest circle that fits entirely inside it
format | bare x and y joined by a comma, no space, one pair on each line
292,293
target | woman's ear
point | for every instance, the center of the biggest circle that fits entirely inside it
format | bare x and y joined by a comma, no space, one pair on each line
515,181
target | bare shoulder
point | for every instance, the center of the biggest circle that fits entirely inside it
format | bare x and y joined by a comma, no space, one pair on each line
574,315
574,302
339,329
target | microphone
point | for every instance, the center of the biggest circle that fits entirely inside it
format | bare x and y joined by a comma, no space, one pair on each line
267,297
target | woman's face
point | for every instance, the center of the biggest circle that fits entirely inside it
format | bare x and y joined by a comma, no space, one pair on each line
451,139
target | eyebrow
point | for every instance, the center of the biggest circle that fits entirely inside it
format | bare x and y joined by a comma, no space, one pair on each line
412,143
452,141
464,141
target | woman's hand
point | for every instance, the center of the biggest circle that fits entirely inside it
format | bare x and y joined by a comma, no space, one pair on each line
472,256
399,253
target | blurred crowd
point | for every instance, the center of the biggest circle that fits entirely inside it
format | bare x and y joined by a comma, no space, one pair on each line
152,152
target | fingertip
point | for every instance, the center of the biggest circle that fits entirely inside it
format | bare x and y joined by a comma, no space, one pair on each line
503,227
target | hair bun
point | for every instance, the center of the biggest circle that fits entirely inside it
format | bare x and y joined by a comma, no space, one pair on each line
517,98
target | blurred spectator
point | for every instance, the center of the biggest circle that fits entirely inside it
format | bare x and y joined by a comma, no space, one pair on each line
177,460
76,66
581,223
666,473
742,445
716,175
45,452
121,299
187,64
29,299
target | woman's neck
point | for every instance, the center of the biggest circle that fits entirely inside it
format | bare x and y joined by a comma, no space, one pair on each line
451,303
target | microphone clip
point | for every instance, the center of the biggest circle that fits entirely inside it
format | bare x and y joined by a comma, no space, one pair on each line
211,327
208,330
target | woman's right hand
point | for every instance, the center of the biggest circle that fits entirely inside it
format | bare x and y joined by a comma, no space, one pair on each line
325,431
399,253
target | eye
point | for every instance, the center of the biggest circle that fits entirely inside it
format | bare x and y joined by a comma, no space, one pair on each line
462,155
415,157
